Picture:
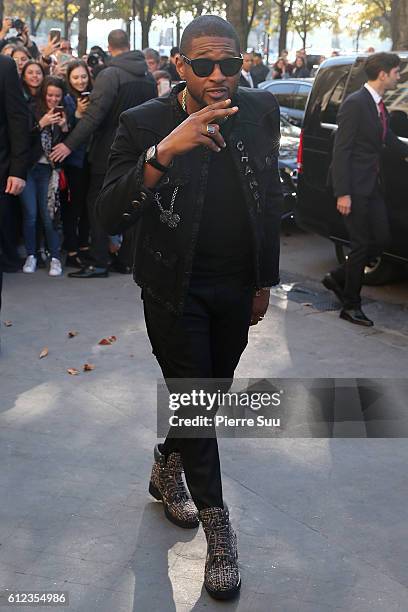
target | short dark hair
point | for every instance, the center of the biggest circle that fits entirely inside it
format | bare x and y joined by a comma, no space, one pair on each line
118,39
174,51
380,61
208,25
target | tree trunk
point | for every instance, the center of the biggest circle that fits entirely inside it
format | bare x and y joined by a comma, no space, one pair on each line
83,15
283,27
66,20
1,10
399,25
145,17
178,28
237,15
145,33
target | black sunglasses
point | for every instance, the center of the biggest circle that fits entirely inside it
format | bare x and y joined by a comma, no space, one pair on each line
203,66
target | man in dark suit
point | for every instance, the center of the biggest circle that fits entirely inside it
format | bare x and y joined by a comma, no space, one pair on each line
245,79
14,137
363,130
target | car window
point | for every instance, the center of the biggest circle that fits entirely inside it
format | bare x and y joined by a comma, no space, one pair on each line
396,101
283,93
333,98
300,97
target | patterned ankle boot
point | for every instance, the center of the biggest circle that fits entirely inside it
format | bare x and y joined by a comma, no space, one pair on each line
221,576
166,485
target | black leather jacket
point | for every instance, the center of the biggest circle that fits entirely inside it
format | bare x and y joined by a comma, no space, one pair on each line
163,255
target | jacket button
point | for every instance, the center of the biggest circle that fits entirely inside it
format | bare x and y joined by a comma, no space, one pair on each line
143,196
166,180
126,215
135,203
158,256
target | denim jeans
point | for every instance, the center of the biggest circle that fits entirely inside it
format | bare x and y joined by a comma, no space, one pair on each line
34,200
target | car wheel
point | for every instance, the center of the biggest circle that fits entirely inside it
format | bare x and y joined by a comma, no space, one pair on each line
378,272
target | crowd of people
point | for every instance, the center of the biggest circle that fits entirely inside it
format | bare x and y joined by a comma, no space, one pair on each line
74,106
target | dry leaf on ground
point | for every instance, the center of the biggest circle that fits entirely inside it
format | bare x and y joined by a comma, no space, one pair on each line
44,352
8,323
72,371
72,334
88,367
107,341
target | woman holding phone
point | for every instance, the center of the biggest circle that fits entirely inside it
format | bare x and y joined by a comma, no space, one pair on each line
74,209
41,193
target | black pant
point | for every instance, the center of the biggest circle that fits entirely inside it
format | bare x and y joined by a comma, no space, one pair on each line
369,231
75,212
99,237
205,342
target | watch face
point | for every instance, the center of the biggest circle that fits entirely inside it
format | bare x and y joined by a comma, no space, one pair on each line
151,153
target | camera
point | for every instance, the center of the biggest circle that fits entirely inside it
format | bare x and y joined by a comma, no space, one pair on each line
94,59
17,24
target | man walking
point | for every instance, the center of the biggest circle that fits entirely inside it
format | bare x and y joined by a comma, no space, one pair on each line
14,139
122,85
198,172
363,130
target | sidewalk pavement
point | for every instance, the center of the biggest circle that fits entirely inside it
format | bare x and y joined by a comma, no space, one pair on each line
321,523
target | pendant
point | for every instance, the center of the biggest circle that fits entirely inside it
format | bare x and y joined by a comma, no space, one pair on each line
170,219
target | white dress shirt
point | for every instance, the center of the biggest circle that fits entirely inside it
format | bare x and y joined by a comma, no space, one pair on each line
248,77
375,95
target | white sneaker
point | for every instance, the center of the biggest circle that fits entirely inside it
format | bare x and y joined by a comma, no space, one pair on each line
30,264
55,267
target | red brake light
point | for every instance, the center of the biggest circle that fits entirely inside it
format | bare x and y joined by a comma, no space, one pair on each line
300,154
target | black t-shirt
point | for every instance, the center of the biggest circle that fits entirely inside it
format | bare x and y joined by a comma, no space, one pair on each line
224,244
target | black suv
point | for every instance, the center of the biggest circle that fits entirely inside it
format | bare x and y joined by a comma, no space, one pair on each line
316,206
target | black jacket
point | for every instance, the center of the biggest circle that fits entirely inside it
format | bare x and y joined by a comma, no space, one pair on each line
358,145
123,84
164,256
14,137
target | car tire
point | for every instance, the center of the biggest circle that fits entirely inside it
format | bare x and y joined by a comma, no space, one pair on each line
380,272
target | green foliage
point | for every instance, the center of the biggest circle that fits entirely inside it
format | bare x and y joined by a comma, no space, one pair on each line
307,15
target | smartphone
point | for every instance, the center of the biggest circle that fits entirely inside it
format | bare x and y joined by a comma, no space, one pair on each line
59,110
85,95
55,35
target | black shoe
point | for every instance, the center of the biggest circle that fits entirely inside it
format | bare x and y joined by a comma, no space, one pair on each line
73,261
355,315
90,272
121,268
332,285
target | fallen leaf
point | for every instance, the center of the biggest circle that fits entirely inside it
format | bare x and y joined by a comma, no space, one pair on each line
131,355
307,304
8,323
44,352
72,371
109,340
72,334
88,367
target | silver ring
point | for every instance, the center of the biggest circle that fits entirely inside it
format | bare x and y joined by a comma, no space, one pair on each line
211,129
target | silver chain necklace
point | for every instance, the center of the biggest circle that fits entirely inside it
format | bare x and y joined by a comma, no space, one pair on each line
168,216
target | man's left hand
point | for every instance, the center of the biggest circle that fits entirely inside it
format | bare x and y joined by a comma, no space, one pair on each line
259,305
15,185
59,152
